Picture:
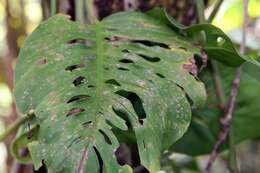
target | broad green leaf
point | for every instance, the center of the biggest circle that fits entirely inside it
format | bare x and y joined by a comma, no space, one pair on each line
205,126
129,71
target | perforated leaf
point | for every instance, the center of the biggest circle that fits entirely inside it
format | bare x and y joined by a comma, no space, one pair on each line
129,71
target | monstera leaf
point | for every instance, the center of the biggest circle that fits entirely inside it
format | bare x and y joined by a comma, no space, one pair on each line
128,71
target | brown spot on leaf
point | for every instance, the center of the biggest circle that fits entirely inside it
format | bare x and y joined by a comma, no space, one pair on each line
74,67
204,59
75,111
191,66
42,61
141,83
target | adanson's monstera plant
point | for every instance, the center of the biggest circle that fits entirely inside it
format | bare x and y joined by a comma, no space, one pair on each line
87,86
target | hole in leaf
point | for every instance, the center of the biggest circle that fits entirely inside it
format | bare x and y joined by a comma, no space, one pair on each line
122,115
183,48
125,51
43,168
107,139
113,82
186,95
29,133
24,152
123,155
42,61
141,121
123,69
75,41
90,86
112,29
129,154
135,101
160,75
220,41
152,43
79,80
150,59
100,161
144,144
141,169
77,98
75,111
114,38
127,61
85,124
74,67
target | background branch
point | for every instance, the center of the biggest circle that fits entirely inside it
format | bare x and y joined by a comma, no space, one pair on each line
229,110
215,10
53,7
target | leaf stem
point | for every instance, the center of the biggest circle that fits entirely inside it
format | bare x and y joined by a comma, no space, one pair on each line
218,85
53,7
91,13
200,10
215,69
226,121
79,9
215,10
14,126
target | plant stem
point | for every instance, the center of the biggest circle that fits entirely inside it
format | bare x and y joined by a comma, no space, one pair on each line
53,7
226,121
91,14
218,86
79,9
14,126
215,70
232,153
215,10
216,76
200,10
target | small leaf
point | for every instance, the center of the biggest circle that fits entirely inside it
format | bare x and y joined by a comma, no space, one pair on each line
214,42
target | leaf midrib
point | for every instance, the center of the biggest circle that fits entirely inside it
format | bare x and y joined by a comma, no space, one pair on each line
99,65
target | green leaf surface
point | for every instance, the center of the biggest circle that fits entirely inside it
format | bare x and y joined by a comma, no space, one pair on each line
82,81
205,126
